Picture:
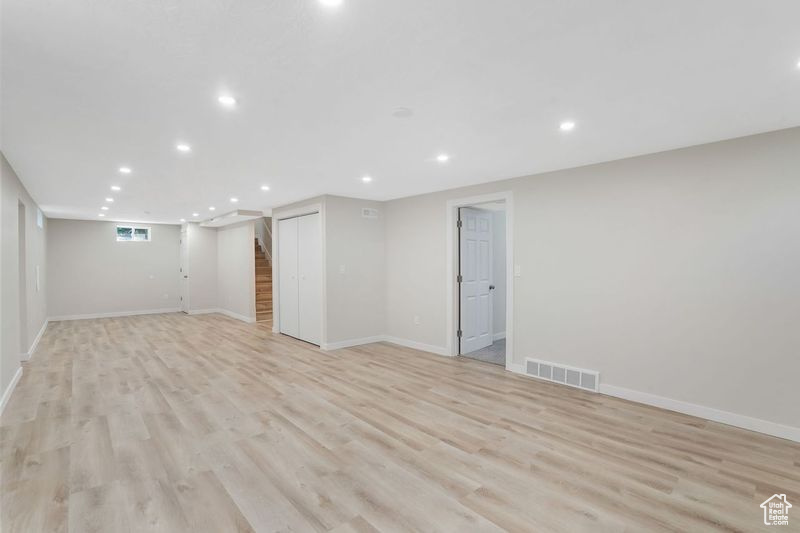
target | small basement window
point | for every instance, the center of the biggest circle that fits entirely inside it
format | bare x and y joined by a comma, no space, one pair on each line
133,233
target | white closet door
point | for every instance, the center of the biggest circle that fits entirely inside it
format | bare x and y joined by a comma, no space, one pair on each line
310,270
288,290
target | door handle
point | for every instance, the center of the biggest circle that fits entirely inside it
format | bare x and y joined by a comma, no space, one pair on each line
185,277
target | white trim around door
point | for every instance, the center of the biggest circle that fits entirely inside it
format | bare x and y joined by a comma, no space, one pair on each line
452,269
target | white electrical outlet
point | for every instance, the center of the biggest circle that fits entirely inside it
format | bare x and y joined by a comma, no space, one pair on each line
416,319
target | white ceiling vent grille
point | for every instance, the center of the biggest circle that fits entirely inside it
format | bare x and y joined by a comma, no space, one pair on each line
566,375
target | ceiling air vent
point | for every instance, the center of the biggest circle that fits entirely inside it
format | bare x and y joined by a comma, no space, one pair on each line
566,375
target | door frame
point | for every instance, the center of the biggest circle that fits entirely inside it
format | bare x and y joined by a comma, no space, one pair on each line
184,269
283,214
22,279
452,269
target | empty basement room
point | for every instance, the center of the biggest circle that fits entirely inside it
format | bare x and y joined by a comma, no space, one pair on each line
420,265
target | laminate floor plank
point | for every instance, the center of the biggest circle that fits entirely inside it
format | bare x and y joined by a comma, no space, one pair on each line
203,423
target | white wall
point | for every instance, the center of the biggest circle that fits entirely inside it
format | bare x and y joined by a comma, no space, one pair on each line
90,273
203,277
499,272
236,274
356,298
11,193
673,274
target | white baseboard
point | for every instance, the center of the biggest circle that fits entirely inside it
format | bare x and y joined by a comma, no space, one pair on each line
438,350
701,411
27,355
498,336
352,342
237,316
517,369
115,314
202,311
10,389
709,413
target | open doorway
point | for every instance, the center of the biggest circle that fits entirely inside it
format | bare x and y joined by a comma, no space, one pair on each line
23,281
481,280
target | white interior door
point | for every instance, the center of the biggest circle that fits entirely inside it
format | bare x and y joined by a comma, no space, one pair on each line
475,265
310,272
288,290
184,273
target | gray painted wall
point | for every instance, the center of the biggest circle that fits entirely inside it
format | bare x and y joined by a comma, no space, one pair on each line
356,298
674,274
203,276
236,270
91,273
12,192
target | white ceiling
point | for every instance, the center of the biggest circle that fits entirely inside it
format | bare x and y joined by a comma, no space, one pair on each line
89,86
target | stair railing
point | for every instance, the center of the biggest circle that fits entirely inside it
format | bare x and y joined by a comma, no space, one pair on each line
264,236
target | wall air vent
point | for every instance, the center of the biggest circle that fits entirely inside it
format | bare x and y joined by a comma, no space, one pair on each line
368,212
566,375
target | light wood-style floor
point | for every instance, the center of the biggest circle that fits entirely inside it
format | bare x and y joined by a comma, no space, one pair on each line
202,423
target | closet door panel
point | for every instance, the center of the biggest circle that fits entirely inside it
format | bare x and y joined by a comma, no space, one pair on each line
310,278
288,287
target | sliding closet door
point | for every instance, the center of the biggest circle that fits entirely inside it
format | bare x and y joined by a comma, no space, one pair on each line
288,290
310,273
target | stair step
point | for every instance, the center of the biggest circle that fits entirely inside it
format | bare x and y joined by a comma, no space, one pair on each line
263,275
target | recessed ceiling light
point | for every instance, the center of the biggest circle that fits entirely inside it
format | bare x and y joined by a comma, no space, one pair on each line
331,3
366,179
234,200
125,170
183,220
227,100
567,125
116,188
183,148
109,200
104,208
265,187
101,214
403,112
195,214
211,208
443,158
